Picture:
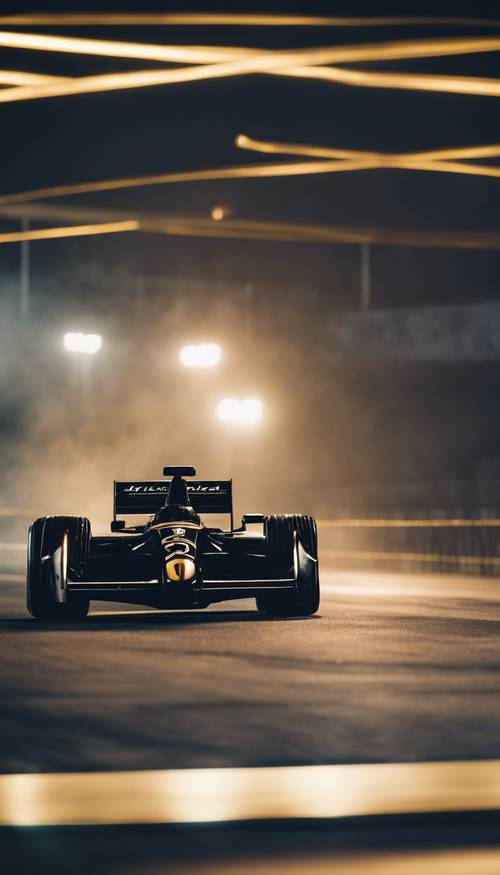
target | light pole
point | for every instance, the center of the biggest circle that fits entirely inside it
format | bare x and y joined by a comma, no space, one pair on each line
24,297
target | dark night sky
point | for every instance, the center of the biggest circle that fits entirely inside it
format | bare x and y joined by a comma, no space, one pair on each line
193,125
360,424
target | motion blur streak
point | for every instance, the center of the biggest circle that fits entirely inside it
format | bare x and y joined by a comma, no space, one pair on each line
406,81
232,794
248,171
214,18
77,231
196,226
407,524
374,555
343,160
20,77
243,142
461,862
377,160
289,63
480,861
386,51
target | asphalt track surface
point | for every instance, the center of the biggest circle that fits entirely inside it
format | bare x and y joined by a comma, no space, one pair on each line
394,668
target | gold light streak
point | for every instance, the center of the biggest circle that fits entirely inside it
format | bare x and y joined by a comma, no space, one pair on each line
219,62
74,231
473,85
201,226
142,51
491,150
385,51
343,160
350,159
61,19
20,77
373,555
235,794
458,522
245,171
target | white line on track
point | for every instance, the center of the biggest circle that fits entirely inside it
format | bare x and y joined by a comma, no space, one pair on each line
247,794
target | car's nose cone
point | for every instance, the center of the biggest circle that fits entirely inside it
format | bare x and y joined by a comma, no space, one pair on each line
180,568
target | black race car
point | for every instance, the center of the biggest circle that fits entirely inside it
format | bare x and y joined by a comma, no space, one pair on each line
173,560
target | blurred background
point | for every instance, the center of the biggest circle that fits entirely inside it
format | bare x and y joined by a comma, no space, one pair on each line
377,366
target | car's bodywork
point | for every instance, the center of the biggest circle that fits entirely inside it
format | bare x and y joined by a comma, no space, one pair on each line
172,559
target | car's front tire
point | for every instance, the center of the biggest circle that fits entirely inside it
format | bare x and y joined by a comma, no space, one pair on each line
293,539
45,536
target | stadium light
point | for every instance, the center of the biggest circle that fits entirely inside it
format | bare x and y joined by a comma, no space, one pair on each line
202,355
247,411
76,341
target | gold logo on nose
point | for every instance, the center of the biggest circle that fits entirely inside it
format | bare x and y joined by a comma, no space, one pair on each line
180,568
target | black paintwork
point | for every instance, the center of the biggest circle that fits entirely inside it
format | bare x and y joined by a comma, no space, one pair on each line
131,566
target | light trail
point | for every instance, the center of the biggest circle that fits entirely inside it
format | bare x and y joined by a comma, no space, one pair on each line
278,148
248,794
248,171
242,61
74,231
472,85
385,51
407,524
462,861
61,19
342,160
20,77
393,556
201,226
352,160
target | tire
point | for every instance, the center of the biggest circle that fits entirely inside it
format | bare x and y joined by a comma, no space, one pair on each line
292,541
44,536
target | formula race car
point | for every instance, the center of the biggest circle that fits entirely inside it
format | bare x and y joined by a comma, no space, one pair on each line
173,560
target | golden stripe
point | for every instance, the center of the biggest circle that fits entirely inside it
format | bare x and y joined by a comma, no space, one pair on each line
73,231
233,794
252,20
383,51
406,524
413,557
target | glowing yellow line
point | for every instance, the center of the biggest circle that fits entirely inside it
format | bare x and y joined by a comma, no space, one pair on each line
290,63
120,49
384,51
75,231
354,160
413,557
237,794
406,524
349,160
196,226
278,148
472,85
20,77
248,171
253,20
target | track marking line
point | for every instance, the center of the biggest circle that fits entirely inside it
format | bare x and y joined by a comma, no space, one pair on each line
247,794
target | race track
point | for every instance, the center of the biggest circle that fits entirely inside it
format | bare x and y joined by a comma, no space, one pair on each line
394,668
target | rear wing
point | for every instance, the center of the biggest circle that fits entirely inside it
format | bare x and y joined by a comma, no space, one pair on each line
148,496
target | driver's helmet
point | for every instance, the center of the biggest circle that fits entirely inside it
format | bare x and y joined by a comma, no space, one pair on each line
175,513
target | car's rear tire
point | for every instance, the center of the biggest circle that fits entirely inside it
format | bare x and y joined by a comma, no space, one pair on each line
292,541
45,536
